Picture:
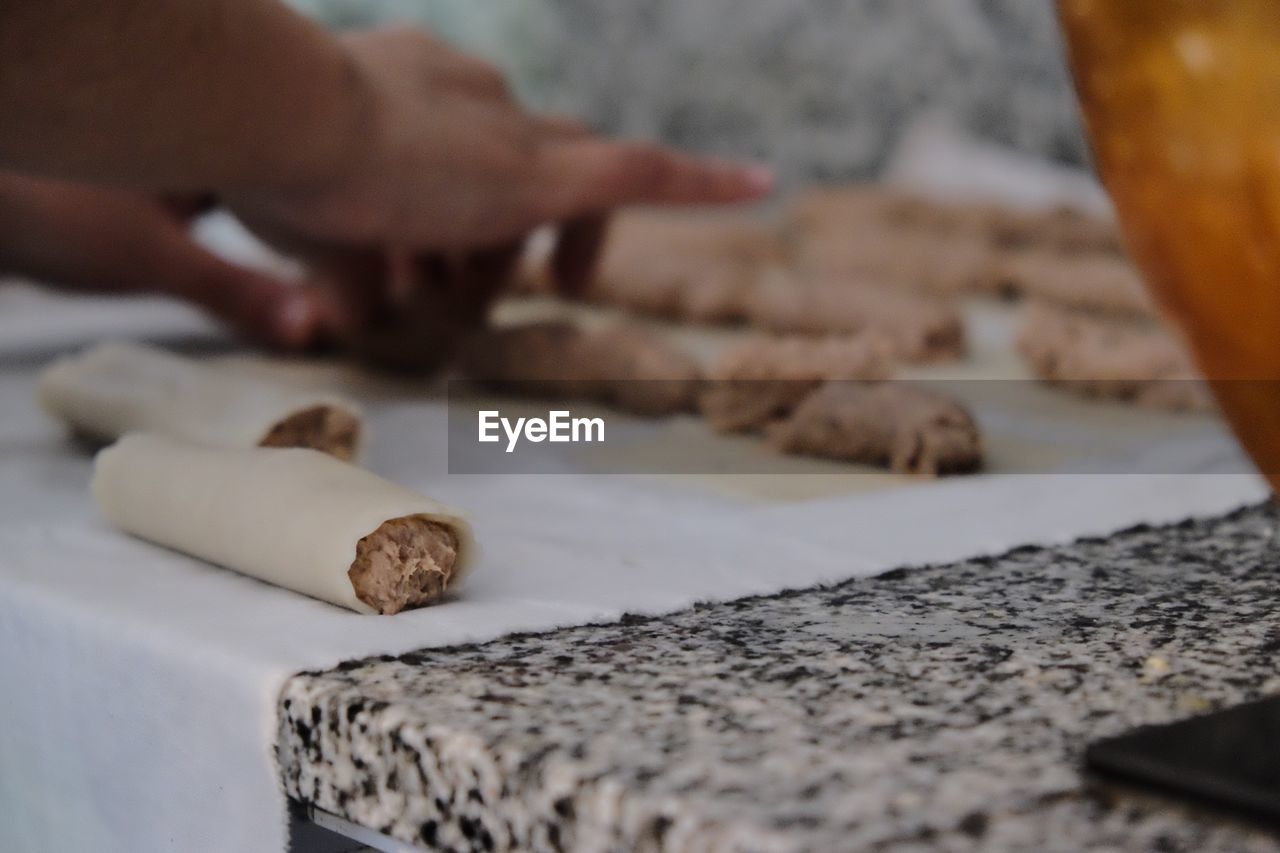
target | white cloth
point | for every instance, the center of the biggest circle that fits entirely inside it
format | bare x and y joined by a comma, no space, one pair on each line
38,322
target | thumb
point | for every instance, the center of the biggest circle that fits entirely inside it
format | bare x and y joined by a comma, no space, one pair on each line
266,310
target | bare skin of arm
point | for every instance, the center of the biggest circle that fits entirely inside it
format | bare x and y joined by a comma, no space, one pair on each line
387,142
174,96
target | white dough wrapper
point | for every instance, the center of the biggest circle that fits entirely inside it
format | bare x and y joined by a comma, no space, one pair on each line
119,388
291,517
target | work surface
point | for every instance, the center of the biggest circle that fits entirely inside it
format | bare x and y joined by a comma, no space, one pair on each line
124,651
944,707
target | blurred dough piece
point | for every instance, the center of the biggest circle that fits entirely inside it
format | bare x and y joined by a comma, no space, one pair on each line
692,267
998,226
853,206
764,379
118,388
295,518
1063,230
1102,284
919,328
908,430
623,368
1111,359
888,237
948,264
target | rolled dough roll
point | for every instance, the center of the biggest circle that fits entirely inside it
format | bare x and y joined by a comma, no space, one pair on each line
293,517
905,429
119,388
629,369
768,377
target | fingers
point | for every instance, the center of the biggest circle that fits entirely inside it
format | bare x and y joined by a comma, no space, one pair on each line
268,311
594,175
94,239
415,326
390,309
577,176
464,286
488,272
577,253
357,288
409,313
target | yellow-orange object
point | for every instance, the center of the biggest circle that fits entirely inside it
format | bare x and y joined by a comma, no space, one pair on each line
1182,100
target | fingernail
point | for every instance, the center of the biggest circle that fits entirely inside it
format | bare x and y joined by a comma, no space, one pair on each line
759,178
297,319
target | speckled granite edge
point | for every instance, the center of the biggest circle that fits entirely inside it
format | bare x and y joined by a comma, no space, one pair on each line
941,706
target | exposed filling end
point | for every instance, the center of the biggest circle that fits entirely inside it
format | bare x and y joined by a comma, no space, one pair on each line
329,429
406,563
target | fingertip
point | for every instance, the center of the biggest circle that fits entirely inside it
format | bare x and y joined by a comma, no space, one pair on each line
298,319
590,175
577,254
655,174
760,179
736,181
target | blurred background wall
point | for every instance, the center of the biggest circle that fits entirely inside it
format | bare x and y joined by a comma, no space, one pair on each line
820,88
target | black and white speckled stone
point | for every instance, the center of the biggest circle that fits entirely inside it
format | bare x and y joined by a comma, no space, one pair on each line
945,707
819,88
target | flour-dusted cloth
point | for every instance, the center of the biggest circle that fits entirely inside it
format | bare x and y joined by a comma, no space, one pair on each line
35,322
140,685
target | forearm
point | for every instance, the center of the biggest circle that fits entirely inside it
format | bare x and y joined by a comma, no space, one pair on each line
213,94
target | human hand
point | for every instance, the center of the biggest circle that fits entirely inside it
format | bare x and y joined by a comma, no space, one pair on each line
410,313
387,308
88,238
443,159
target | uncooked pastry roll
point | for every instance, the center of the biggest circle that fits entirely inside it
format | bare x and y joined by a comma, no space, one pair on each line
119,388
766,378
626,368
1108,358
292,517
922,329
908,430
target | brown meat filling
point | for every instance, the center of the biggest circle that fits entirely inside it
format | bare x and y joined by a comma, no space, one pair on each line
627,369
329,429
682,267
920,328
1100,284
767,378
1111,359
907,430
406,563
888,256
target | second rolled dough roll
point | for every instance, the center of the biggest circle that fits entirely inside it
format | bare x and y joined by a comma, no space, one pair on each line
295,518
118,388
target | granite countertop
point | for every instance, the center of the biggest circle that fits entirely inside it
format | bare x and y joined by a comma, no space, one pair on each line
936,708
